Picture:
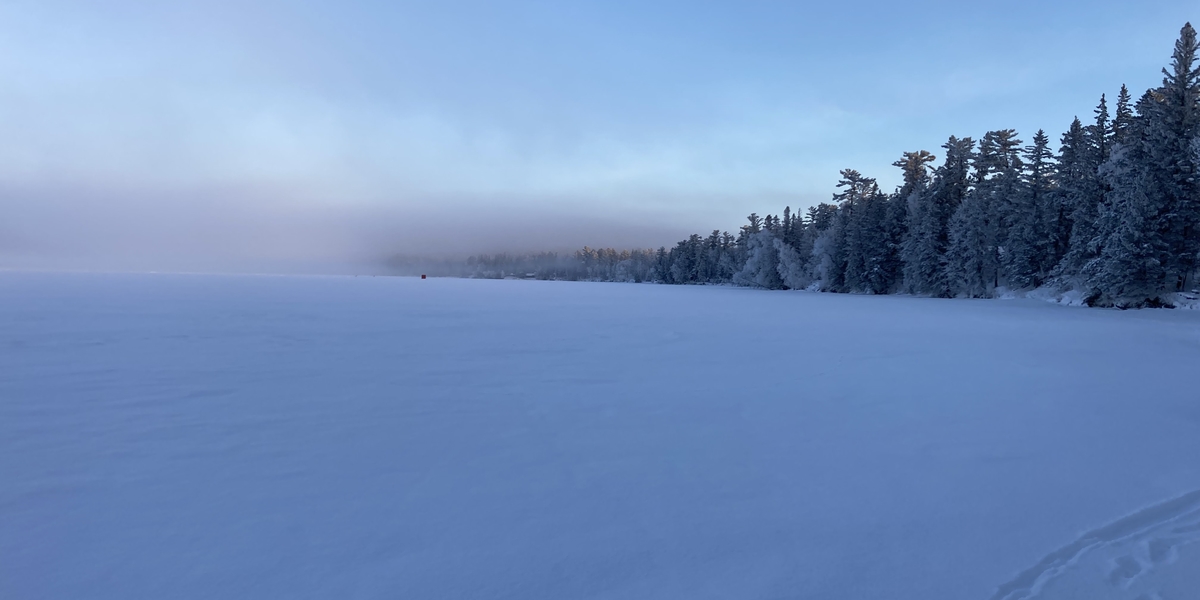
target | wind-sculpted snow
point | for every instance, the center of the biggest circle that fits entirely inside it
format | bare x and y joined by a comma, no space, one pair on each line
291,437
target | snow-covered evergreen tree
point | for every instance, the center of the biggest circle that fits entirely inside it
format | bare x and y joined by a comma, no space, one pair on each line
1083,191
1149,231
1074,170
762,262
1129,269
1116,211
906,210
980,224
971,257
858,245
1124,116
1026,242
1172,126
917,249
793,266
927,244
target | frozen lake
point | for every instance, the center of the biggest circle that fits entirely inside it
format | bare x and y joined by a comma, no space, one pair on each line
171,436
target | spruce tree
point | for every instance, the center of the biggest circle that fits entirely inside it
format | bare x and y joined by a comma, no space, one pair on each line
1101,132
1081,193
970,260
981,223
841,242
1070,170
1117,211
1124,117
863,243
1129,271
1148,228
901,213
914,195
1027,242
1173,125
932,209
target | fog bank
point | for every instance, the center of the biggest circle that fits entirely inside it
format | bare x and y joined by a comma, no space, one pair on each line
241,231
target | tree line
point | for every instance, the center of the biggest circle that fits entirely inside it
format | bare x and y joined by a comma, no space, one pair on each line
1115,213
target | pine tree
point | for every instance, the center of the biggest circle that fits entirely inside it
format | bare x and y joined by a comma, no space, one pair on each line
839,260
1073,170
1173,125
1129,271
755,226
662,265
730,262
1006,195
970,260
930,214
879,241
762,262
1116,211
923,258
914,194
820,217
1101,132
1149,227
1082,191
981,223
902,216
1124,116
1027,242
860,249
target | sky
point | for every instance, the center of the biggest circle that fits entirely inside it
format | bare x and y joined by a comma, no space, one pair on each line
311,135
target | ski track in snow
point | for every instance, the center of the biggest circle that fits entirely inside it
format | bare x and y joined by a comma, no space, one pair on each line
1128,550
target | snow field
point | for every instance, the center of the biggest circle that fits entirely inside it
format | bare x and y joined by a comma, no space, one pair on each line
313,437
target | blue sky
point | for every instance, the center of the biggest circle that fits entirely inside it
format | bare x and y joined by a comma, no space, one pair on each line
280,129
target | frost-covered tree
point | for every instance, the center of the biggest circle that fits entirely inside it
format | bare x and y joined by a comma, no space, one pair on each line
762,262
824,224
899,216
1026,242
1129,270
916,249
980,224
1073,172
1149,232
971,257
820,217
850,253
1124,116
1083,191
930,212
792,266
867,244
1116,212
1101,132
1172,126
795,244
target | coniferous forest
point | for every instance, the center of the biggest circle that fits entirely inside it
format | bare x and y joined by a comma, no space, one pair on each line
1114,214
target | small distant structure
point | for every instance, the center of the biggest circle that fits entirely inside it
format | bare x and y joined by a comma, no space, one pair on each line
530,276
422,276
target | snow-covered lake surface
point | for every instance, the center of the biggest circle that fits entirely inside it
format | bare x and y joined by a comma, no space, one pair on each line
170,436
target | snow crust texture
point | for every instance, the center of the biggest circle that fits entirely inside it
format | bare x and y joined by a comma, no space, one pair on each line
170,436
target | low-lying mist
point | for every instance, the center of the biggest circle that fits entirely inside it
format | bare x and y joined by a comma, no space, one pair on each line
240,231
